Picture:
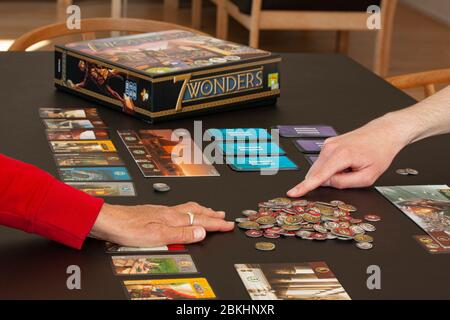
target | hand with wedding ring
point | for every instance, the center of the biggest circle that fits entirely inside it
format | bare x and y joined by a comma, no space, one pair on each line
153,225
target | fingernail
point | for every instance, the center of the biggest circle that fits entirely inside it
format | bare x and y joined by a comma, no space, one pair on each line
199,233
292,192
221,213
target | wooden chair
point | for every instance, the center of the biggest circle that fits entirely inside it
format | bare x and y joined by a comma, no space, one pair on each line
342,21
426,79
88,29
118,9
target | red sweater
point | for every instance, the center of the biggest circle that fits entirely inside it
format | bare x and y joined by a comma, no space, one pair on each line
34,201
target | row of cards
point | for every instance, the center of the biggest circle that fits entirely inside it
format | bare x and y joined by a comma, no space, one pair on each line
86,158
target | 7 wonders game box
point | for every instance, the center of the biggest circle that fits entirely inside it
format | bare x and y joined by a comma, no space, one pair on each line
169,74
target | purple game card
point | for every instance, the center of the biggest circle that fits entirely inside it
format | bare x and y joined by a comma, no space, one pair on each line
311,158
307,131
309,145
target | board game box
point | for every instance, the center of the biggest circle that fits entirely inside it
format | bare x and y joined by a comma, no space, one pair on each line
169,74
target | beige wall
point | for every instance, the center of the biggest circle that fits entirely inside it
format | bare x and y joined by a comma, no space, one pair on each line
438,9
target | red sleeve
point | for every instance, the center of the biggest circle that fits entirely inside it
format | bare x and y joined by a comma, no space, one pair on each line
34,201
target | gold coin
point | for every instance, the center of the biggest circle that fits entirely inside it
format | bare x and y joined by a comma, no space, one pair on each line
265,246
363,238
248,225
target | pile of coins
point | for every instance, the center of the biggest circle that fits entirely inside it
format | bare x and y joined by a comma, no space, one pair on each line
307,220
407,172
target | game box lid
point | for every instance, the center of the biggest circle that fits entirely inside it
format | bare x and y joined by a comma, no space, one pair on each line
167,53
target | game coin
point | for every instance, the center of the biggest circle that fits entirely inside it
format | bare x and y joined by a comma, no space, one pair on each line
363,238
355,221
336,203
271,235
266,220
319,236
293,220
253,233
330,225
249,225
161,187
319,228
232,58
289,227
367,227
265,246
372,218
331,236
402,172
357,229
249,212
346,207
303,234
412,172
300,203
364,245
343,232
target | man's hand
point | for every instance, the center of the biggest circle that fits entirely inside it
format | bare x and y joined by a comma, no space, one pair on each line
355,159
152,225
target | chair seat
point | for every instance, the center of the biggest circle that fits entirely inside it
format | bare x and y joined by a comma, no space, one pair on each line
245,6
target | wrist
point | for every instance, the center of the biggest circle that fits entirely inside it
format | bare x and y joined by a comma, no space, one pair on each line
398,128
100,228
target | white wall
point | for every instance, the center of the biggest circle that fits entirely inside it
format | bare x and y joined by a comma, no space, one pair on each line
438,9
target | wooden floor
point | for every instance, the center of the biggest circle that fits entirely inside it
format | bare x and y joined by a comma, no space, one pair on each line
419,42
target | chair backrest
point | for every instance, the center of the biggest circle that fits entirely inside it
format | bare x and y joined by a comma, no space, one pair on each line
89,27
426,79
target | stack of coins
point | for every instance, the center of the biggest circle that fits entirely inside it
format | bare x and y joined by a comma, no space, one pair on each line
407,172
308,220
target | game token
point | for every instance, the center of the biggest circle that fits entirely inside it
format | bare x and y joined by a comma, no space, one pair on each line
300,203
364,245
346,207
303,234
363,238
412,172
372,217
331,236
355,221
161,187
319,236
266,220
265,246
253,233
271,235
293,220
249,225
319,228
402,172
336,203
249,212
288,227
330,225
357,229
367,226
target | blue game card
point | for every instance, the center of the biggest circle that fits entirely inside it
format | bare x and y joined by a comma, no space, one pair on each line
250,149
239,134
261,163
95,174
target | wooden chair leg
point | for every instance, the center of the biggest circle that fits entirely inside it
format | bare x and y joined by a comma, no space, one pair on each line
430,89
61,7
171,10
222,20
384,38
196,14
254,23
342,41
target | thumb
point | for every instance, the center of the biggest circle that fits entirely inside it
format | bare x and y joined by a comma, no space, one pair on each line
189,234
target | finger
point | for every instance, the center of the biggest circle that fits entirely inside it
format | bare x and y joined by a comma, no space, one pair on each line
319,175
197,209
213,224
180,235
354,179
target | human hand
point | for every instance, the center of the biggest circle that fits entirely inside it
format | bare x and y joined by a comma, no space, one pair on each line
154,225
355,159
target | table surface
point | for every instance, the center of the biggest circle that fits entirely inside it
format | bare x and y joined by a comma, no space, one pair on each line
316,89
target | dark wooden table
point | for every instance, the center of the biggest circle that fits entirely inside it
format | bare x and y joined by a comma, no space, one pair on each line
316,89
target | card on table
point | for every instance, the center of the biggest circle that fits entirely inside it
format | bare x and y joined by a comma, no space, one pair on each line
238,134
68,113
311,158
94,174
291,281
105,189
169,289
250,149
87,159
77,134
431,245
426,206
116,248
153,264
309,145
73,124
82,146
261,163
306,131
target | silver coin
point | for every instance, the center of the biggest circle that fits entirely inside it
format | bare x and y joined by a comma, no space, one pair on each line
248,213
303,234
161,187
357,229
412,172
319,228
401,172
367,227
364,245
239,220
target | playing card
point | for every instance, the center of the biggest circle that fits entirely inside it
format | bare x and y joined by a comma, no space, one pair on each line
169,289
115,248
77,134
68,113
87,159
94,174
306,131
73,124
309,145
82,146
105,189
250,149
261,163
291,281
238,134
153,264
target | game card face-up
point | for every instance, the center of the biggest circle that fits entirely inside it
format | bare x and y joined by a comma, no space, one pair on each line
238,134
169,289
291,281
95,174
261,163
73,124
116,248
426,206
68,113
429,244
105,189
308,131
87,159
157,155
78,134
153,264
250,149
309,145
82,146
